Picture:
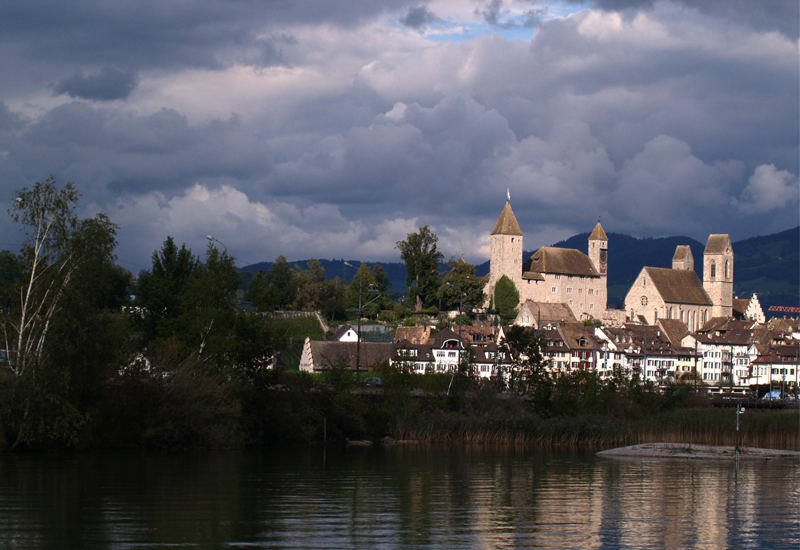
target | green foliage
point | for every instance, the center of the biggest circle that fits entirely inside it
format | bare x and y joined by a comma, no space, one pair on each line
373,285
528,373
275,289
506,298
160,292
420,253
66,342
461,281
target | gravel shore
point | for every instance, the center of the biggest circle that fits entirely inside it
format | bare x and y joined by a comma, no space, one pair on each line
692,451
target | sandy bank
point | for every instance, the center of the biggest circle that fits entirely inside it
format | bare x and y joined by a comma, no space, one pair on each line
688,450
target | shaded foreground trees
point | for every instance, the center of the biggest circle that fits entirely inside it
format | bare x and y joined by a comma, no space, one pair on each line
56,331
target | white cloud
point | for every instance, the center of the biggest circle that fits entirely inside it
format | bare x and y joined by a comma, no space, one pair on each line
770,189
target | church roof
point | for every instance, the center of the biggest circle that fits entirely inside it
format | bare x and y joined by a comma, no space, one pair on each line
717,243
598,234
678,286
507,224
564,261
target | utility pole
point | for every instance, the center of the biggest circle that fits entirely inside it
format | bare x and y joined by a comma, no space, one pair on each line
360,307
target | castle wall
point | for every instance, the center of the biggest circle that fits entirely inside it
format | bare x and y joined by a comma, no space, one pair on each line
583,295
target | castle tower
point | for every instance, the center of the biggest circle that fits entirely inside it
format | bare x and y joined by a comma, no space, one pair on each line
505,250
598,250
718,274
598,254
683,259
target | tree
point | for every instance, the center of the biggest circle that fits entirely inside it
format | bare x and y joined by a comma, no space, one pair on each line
461,279
506,298
274,289
64,260
523,348
421,256
373,285
159,292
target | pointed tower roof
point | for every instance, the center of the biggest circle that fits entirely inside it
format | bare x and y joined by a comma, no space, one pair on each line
507,224
598,234
682,253
717,243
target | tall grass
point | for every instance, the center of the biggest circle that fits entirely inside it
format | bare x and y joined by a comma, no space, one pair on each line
769,429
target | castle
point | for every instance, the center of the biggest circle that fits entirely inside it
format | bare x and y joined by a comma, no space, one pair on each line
551,274
580,281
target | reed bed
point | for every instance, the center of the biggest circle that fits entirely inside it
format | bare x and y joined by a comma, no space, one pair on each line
767,429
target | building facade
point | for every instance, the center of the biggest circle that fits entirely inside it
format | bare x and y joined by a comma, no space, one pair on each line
551,274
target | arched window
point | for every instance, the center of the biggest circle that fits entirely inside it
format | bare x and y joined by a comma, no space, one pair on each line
727,269
713,269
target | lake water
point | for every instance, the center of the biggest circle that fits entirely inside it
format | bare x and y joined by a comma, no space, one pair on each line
402,497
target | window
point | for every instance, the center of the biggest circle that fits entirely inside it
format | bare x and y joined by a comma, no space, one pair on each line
569,290
558,277
553,290
713,269
591,291
580,291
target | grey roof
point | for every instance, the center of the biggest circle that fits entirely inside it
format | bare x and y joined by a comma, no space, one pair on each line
547,312
717,243
328,355
678,286
598,234
564,261
507,223
683,252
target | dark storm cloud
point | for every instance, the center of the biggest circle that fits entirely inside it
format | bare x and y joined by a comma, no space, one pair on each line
773,15
419,17
153,33
109,84
340,138
110,153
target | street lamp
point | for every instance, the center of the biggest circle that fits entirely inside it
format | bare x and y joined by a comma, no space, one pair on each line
360,306
212,239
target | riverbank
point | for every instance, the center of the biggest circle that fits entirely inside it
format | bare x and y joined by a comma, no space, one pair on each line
694,451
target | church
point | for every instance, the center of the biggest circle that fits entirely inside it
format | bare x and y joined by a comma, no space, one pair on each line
551,274
677,293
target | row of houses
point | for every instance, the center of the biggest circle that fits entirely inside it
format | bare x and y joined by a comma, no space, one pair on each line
724,352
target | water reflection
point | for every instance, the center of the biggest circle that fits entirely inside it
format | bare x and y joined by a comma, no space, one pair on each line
400,497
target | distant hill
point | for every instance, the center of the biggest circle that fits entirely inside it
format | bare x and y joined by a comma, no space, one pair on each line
768,265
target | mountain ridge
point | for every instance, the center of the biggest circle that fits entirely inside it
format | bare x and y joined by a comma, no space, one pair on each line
767,264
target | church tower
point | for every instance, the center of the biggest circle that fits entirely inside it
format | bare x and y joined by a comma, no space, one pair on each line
718,274
683,259
505,250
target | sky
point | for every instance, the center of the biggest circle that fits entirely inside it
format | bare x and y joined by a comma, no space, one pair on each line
315,129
